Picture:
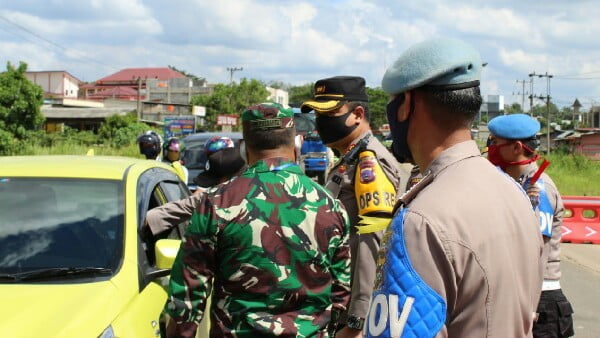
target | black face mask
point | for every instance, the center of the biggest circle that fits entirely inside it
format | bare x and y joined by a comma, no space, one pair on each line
399,130
333,128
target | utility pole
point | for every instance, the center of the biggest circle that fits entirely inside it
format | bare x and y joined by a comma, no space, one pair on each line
523,95
232,70
531,75
139,98
547,98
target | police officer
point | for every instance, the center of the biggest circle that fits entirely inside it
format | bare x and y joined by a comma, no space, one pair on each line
366,180
271,244
462,255
513,149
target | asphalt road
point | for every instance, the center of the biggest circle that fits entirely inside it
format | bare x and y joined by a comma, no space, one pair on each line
580,281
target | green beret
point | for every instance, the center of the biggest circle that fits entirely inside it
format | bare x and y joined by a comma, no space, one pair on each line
442,63
267,116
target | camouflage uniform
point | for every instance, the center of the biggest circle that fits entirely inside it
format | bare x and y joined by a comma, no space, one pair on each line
272,245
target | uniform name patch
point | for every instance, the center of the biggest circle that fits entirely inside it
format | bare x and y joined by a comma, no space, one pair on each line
374,199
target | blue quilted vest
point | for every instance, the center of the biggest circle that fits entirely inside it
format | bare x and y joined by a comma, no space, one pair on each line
402,304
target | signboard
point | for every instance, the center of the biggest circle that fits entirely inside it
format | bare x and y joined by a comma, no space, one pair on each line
227,119
179,126
199,111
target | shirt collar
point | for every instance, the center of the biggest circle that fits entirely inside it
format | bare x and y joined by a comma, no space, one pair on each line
455,153
274,163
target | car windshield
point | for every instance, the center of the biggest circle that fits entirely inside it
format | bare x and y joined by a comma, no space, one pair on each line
55,228
305,123
194,156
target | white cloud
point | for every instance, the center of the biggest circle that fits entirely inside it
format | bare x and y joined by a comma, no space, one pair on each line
298,42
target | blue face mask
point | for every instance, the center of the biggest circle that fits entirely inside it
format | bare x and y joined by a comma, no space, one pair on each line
399,130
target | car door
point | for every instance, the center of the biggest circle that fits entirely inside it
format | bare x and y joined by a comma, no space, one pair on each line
155,187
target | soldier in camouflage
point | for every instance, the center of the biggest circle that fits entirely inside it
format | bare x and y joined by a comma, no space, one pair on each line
271,245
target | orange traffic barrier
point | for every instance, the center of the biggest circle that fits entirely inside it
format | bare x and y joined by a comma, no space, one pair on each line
581,221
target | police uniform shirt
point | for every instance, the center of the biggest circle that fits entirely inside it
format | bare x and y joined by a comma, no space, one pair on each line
364,247
472,239
551,253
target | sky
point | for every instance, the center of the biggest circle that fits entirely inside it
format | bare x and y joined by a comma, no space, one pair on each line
298,42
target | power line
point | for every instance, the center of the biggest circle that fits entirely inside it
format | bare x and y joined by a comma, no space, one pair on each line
52,43
579,78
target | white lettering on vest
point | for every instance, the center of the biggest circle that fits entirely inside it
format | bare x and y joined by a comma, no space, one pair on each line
545,221
388,308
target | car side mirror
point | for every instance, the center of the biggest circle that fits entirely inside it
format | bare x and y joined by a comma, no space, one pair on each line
165,251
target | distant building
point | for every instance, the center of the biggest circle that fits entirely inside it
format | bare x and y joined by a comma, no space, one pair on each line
492,106
158,91
582,141
56,84
132,78
279,96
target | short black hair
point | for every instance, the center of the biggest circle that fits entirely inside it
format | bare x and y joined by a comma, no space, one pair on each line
454,108
269,139
353,104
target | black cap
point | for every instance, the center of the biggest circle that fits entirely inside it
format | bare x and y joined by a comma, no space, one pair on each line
333,92
224,163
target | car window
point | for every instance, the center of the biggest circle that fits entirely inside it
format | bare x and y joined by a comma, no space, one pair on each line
60,223
173,190
164,189
305,123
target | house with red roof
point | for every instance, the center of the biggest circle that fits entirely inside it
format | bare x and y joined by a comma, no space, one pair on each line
126,83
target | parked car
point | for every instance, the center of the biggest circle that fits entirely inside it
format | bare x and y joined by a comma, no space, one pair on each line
73,260
313,153
194,157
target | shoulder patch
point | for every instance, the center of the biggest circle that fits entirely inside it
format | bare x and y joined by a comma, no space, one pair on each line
374,191
410,194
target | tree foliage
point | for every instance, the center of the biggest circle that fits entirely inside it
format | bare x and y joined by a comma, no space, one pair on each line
121,130
514,108
20,102
299,94
377,106
230,99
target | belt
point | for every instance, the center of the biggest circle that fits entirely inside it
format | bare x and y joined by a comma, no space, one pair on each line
548,284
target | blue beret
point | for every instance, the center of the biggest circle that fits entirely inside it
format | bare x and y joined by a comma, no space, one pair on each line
440,62
514,126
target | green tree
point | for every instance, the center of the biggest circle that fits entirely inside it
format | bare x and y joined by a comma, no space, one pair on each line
541,113
230,99
514,108
20,102
378,100
299,94
121,130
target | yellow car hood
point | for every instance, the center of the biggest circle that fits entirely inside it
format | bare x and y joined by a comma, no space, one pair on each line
57,310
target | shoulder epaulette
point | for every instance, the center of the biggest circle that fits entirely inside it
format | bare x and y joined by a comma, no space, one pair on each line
414,191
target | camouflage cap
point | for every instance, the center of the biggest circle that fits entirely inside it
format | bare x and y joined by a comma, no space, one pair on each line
267,116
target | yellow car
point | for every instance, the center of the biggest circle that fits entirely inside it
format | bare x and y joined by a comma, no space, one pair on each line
75,259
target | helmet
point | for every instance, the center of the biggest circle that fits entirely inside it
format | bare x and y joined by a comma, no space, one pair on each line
149,143
217,143
172,144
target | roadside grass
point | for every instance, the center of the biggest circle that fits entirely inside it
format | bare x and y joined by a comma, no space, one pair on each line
575,175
